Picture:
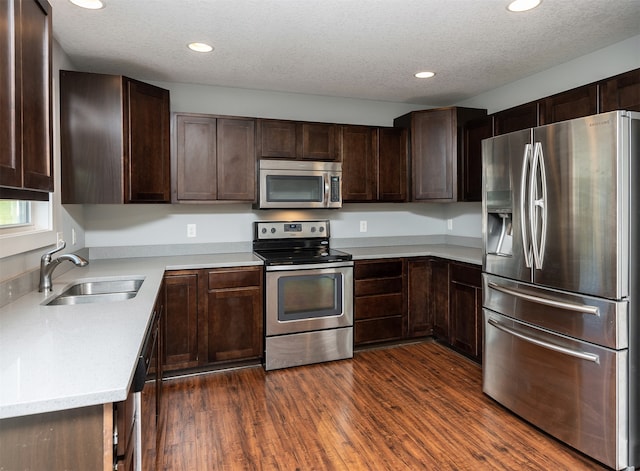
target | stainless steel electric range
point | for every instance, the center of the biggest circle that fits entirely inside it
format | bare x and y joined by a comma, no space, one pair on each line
308,294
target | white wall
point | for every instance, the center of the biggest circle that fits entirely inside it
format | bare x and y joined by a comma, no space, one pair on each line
151,225
606,62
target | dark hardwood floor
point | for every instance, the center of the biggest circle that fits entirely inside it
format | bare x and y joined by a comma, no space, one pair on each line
409,407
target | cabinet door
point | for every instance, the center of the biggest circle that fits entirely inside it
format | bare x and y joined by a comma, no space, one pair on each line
470,173
440,298
358,146
621,92
517,118
10,162
35,33
465,308
25,95
180,320
148,134
433,149
195,170
419,321
236,159
277,139
317,141
234,315
576,103
392,164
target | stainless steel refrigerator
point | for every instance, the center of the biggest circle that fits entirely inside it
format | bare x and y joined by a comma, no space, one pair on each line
561,216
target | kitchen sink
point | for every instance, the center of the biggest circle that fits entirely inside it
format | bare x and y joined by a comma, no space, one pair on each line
98,291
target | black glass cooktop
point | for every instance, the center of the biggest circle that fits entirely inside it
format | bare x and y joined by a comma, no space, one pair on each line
302,256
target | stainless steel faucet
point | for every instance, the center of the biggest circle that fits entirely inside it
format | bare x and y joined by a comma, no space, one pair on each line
47,265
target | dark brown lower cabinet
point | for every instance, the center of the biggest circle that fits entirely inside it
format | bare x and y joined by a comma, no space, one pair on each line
212,316
181,302
379,300
419,312
234,314
439,302
466,309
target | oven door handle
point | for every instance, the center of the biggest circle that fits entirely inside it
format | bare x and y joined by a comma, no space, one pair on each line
310,266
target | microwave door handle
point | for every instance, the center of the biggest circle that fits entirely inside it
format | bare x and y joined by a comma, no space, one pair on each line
327,189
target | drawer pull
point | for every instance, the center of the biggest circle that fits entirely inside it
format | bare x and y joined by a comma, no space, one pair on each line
582,308
550,346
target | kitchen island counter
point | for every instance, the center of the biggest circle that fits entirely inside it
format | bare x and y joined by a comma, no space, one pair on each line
62,357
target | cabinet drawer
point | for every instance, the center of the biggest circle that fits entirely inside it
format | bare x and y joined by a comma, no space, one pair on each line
378,330
383,269
380,286
466,274
378,306
224,279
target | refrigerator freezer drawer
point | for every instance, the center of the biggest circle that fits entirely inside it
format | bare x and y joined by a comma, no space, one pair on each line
595,320
570,389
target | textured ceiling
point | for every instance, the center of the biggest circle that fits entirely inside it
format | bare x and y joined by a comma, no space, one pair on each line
367,49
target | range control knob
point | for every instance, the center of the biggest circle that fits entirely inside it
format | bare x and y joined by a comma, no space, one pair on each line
264,230
313,229
321,228
273,230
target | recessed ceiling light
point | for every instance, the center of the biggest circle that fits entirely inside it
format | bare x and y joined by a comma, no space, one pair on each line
523,5
90,4
200,47
425,74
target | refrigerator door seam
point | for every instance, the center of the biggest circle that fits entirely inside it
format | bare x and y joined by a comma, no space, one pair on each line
550,346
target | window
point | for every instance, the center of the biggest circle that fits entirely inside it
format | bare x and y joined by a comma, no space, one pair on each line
14,213
25,226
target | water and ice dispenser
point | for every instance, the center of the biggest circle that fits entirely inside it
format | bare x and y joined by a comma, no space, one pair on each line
499,232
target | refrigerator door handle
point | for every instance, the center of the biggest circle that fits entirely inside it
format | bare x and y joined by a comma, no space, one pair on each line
581,308
538,204
550,346
524,210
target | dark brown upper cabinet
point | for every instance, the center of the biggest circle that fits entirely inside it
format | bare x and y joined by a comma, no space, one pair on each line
374,164
575,103
621,92
437,151
114,134
282,139
214,158
516,118
470,186
25,99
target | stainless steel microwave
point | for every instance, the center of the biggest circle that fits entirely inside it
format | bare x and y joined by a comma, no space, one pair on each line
294,184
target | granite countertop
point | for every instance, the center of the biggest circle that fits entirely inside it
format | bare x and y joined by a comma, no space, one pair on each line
62,357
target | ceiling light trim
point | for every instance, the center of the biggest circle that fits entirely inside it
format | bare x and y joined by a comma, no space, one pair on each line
518,6
88,4
200,47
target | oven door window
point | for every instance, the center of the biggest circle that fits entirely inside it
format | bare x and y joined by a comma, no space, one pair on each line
295,188
309,296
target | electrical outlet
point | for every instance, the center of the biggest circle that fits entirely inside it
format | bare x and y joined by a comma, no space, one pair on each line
191,230
450,224
363,226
